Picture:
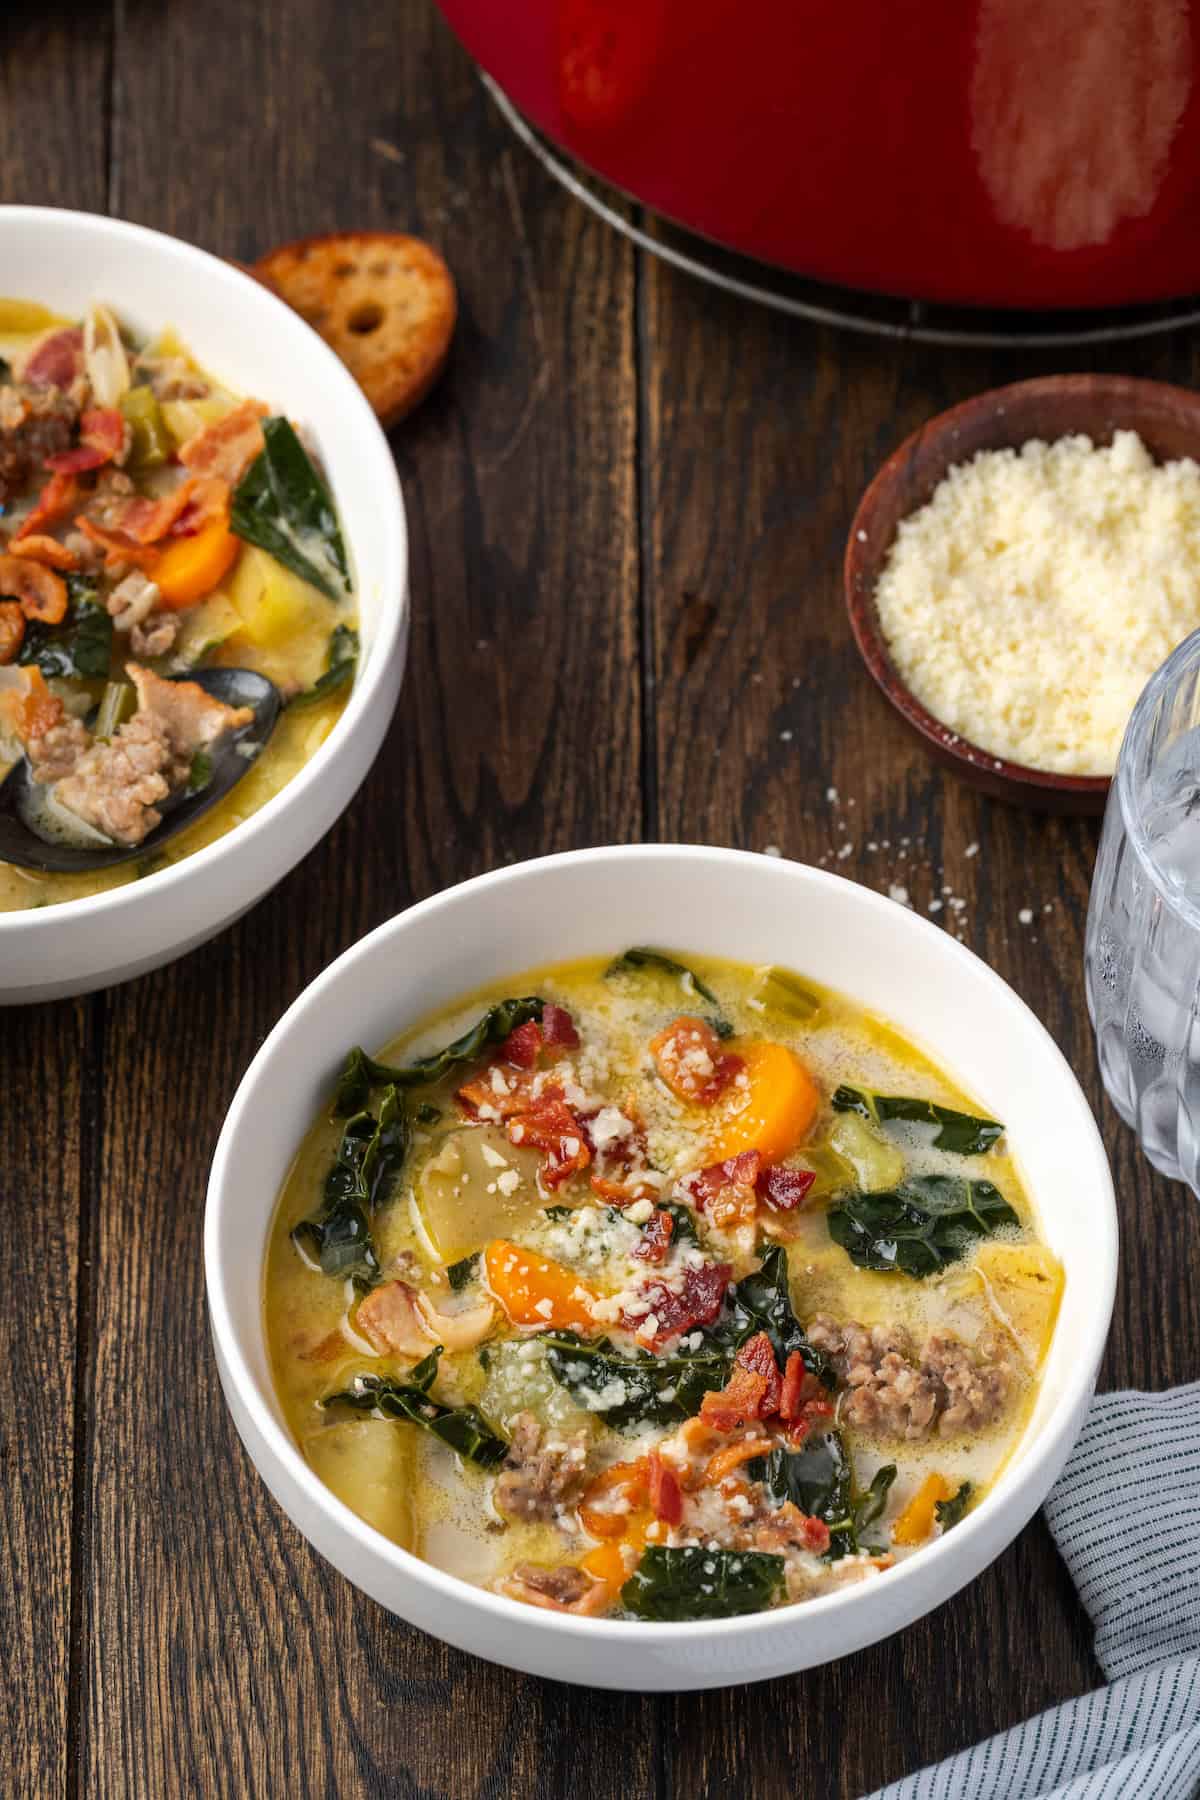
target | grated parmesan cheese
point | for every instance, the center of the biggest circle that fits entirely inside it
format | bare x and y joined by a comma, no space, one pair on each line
1029,602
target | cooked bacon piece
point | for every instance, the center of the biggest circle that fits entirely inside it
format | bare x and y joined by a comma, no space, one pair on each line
739,1401
674,1310
549,1125
565,1589
613,1495
102,439
55,360
499,1094
666,1495
228,447
207,499
12,630
622,1193
117,547
181,513
758,1354
42,594
522,1047
786,1528
558,1028
689,1058
726,1190
56,502
795,1375
47,550
390,1318
804,1401
656,1237
785,1189
732,1456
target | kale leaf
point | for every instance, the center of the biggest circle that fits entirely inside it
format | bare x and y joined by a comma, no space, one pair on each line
818,1478
660,1390
461,1273
762,1301
360,1072
368,1160
340,664
200,773
695,1583
642,957
642,1389
282,505
80,647
964,1134
919,1226
949,1512
463,1428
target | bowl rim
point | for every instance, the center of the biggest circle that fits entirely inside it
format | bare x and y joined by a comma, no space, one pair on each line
392,582
405,1564
974,761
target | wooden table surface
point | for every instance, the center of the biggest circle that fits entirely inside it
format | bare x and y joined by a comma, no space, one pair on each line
627,503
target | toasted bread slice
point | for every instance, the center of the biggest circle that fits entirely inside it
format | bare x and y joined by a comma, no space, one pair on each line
386,303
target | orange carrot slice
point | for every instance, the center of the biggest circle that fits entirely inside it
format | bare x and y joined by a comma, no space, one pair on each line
915,1523
192,566
535,1291
780,1103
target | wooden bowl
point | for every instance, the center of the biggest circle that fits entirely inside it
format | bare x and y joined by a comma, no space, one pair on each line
1167,419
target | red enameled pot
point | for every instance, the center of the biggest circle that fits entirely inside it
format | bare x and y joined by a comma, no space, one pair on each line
1011,153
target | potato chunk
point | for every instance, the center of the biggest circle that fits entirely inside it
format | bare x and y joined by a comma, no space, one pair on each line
368,1463
1024,1284
475,1188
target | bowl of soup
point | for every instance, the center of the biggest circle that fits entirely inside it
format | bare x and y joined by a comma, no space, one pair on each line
190,483
659,1266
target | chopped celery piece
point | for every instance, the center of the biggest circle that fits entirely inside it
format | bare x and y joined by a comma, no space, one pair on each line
152,443
118,703
785,993
876,1163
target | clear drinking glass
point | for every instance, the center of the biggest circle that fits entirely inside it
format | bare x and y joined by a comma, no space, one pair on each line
1142,958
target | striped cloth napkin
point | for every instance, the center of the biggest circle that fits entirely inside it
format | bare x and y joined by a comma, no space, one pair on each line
1126,1517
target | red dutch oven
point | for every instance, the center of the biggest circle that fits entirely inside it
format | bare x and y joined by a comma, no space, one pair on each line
1023,153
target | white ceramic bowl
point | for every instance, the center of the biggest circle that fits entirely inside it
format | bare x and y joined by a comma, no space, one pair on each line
728,903
257,345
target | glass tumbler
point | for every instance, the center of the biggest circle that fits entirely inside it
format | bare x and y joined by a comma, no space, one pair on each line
1142,959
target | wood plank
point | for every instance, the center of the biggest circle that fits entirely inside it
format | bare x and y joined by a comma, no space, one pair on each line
48,1128
224,1657
760,435
54,104
53,113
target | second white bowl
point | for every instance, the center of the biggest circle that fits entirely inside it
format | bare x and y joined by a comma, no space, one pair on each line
726,903
258,346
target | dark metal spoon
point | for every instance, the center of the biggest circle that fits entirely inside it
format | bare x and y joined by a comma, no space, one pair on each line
19,843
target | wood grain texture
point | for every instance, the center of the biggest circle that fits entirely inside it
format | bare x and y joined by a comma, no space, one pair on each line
55,97
759,437
44,1051
222,1655
53,137
627,502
